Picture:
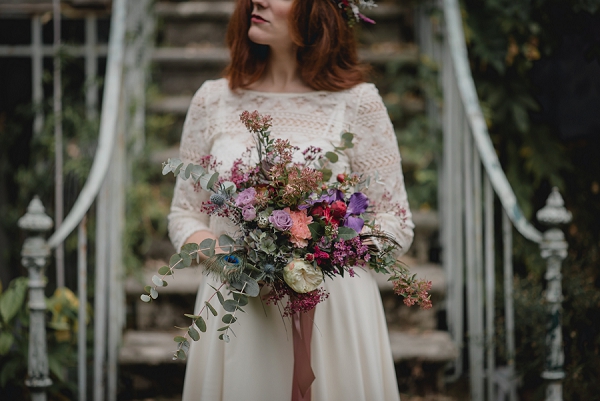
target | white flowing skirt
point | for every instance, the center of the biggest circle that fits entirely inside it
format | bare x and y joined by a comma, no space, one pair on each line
350,349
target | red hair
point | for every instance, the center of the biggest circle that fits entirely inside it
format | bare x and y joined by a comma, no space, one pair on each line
326,55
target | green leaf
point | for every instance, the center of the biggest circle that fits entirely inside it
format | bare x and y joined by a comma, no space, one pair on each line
186,259
326,174
223,328
230,305
194,335
197,172
147,289
191,316
175,262
224,337
346,233
332,157
246,284
189,248
212,310
226,243
221,298
181,355
348,137
207,181
316,230
157,281
153,293
6,341
179,339
207,247
164,270
172,165
228,319
241,299
13,298
145,298
201,323
188,171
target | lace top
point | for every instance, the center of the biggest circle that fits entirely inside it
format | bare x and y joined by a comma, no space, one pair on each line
212,126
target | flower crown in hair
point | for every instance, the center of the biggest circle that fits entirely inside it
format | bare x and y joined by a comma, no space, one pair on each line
352,10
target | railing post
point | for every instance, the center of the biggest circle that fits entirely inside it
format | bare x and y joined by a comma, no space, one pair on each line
35,255
554,250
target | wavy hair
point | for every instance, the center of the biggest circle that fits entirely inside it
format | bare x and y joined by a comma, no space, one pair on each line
326,47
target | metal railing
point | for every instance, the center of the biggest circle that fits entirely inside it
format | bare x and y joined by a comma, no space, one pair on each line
124,88
471,178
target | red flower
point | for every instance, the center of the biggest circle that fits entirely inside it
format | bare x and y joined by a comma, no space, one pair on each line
338,210
318,211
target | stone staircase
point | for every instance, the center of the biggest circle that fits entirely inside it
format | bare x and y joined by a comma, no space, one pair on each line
191,49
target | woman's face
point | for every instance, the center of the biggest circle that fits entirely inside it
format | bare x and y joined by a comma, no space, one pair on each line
269,23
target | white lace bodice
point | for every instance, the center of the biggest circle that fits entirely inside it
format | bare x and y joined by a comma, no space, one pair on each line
212,126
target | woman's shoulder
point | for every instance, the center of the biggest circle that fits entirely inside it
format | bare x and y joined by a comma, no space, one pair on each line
211,86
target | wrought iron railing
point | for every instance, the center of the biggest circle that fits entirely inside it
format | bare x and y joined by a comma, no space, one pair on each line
471,177
121,122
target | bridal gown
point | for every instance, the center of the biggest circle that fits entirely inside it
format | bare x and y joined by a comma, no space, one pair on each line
350,350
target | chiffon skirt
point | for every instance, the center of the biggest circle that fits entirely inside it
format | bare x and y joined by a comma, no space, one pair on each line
350,349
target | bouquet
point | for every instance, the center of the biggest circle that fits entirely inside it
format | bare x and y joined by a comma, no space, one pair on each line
295,227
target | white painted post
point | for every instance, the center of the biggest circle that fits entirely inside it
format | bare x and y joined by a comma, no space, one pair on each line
58,147
554,250
35,255
37,69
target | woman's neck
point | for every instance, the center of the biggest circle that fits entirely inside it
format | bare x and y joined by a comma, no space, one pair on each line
282,74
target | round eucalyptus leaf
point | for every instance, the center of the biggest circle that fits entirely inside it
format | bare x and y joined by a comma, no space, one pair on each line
175,261
228,319
212,310
145,298
179,339
186,259
157,281
164,270
153,293
201,324
224,337
230,305
194,335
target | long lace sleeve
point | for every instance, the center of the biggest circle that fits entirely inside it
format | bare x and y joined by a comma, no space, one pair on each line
376,152
185,217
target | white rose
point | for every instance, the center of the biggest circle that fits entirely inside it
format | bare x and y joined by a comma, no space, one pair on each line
302,277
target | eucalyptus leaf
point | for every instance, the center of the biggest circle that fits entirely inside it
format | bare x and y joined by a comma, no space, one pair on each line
221,298
230,305
246,284
241,299
194,335
207,247
201,324
207,181
332,157
164,270
175,261
165,283
157,281
179,339
188,171
186,259
189,248
223,328
327,173
147,289
191,316
181,355
224,337
226,243
197,172
212,310
153,293
228,319
145,298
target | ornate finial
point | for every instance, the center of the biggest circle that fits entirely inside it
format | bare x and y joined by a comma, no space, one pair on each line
36,218
554,213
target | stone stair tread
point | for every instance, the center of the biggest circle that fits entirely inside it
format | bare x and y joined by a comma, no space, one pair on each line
148,348
154,348
206,54
196,9
427,346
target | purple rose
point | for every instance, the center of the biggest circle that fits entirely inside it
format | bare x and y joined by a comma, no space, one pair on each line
281,220
246,197
249,213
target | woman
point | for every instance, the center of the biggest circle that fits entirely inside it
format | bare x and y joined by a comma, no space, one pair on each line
296,61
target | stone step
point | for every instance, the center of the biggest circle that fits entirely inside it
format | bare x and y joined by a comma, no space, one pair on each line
157,347
202,54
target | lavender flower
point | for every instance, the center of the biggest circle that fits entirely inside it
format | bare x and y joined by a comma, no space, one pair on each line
246,197
281,220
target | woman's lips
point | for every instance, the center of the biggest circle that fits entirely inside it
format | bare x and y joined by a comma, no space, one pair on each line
258,19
